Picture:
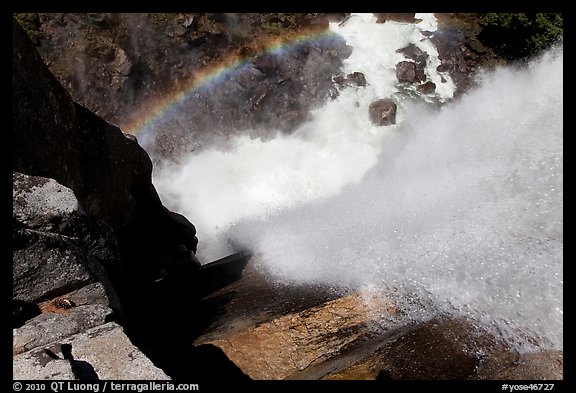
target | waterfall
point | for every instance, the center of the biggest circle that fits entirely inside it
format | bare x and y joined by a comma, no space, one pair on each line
460,207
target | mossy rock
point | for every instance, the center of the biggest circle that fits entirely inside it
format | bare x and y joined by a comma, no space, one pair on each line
30,22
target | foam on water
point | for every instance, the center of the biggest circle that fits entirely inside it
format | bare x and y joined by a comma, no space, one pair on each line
460,208
464,210
338,146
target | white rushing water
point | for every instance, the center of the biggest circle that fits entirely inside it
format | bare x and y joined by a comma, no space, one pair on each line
337,147
460,207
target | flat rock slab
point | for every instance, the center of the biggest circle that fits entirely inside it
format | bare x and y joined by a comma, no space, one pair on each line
50,327
448,349
273,330
253,299
103,352
291,343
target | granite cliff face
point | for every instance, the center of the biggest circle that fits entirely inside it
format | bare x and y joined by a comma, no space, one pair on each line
85,211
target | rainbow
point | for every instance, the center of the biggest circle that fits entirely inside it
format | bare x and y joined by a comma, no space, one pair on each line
159,109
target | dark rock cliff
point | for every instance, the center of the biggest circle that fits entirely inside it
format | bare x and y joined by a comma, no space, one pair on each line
57,138
86,211
109,173
122,66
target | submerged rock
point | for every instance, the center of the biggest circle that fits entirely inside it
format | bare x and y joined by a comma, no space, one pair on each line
290,343
273,331
277,331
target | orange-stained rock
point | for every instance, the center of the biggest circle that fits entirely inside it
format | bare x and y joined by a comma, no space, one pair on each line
290,343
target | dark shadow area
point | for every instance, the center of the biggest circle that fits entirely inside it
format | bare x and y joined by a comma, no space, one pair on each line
23,311
213,364
384,375
210,310
164,316
51,354
81,369
256,299
218,274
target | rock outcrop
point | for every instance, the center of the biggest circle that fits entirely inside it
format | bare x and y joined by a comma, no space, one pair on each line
86,214
57,247
460,51
109,173
103,352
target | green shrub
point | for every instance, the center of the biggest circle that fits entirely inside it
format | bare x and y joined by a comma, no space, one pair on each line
517,36
30,22
160,19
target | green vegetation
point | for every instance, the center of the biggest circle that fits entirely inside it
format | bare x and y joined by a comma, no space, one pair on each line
161,18
30,22
277,22
517,36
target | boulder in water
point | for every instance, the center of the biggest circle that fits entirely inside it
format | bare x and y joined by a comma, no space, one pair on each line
383,112
406,17
427,87
408,71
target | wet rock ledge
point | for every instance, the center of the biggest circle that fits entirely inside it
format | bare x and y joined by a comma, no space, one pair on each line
272,331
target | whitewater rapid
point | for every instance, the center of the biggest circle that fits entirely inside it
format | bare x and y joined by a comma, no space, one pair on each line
460,207
256,178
